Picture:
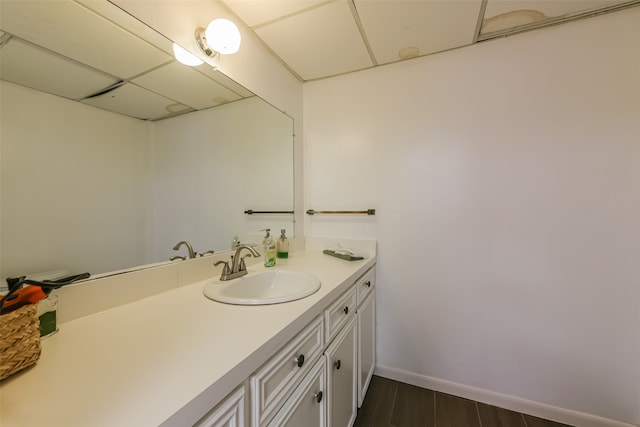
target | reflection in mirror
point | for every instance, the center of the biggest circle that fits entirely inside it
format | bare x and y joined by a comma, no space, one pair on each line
107,162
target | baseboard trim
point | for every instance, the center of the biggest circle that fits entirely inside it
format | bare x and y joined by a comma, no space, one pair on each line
513,403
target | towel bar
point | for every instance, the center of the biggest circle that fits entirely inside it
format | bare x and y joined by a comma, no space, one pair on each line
367,212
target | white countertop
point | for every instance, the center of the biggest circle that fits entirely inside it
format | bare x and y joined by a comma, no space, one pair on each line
165,359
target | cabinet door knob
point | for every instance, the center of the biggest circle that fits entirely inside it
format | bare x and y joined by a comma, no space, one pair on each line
299,360
318,396
346,309
367,283
337,364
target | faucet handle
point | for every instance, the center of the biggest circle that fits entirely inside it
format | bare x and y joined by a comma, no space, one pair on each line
243,265
174,258
225,270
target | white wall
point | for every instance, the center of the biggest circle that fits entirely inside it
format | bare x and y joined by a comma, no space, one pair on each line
56,199
505,177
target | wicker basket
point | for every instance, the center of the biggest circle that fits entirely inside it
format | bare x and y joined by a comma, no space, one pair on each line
19,340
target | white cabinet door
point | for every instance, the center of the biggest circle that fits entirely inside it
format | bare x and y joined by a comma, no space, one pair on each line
366,344
342,376
230,413
306,407
274,382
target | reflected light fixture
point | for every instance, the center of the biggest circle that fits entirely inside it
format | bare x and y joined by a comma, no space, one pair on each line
220,37
186,57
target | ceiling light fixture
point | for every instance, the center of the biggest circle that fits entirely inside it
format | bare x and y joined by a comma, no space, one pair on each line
220,37
186,57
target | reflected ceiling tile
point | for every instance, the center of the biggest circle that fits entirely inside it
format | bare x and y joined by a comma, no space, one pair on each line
256,12
225,81
129,23
428,26
31,66
76,32
132,101
505,14
314,50
185,85
178,108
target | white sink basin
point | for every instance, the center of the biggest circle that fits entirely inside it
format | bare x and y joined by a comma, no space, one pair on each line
270,287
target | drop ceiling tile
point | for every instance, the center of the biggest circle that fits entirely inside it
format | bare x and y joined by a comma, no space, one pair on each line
321,42
78,33
430,26
132,101
549,8
31,66
257,12
186,85
504,14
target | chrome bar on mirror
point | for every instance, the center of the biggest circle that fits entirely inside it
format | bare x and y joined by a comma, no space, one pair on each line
252,212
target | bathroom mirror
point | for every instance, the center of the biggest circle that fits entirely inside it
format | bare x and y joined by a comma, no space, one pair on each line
112,152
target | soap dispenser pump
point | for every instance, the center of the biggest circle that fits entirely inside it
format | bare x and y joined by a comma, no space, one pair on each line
283,245
269,249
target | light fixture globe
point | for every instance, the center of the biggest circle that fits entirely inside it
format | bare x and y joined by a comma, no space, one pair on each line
223,36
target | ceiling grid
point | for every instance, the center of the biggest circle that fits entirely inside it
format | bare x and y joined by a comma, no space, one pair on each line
316,39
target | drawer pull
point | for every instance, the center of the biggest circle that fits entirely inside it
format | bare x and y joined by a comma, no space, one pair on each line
299,360
337,364
318,396
367,283
346,309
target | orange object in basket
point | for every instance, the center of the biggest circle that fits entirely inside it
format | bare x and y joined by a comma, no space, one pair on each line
26,295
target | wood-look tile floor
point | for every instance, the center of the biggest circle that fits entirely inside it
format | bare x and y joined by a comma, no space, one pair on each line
391,403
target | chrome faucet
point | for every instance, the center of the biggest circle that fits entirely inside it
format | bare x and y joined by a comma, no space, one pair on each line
192,253
238,267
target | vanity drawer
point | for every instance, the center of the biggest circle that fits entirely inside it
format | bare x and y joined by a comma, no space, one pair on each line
365,284
338,313
274,382
229,413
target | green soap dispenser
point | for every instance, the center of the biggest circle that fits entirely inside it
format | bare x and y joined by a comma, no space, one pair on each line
283,245
269,249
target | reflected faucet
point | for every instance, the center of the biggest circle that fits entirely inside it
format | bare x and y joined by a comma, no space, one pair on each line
238,267
192,253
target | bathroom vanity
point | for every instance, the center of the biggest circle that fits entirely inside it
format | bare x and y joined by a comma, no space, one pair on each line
177,358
